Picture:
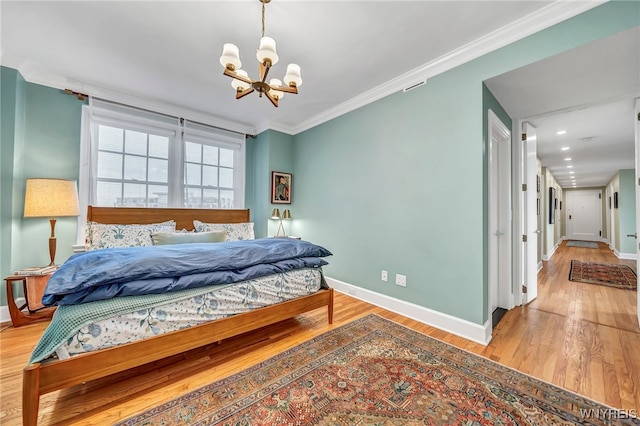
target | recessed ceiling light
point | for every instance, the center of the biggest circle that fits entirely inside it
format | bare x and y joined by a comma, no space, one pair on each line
569,167
561,132
567,159
565,148
571,172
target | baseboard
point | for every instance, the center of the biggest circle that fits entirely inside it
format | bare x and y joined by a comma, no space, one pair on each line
549,255
626,256
4,310
476,333
540,265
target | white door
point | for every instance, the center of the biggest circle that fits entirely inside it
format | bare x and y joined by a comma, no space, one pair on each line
637,116
584,215
500,292
530,225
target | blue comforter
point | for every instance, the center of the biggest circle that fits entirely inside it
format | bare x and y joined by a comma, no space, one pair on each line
103,274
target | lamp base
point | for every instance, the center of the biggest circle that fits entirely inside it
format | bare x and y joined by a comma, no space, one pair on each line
52,242
280,228
52,250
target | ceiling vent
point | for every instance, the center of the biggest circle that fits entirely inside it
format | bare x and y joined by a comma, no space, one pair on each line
415,85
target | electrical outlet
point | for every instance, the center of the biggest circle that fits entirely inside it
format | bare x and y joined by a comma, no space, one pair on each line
401,280
384,276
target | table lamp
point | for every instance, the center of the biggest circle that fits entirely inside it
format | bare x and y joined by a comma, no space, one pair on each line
51,198
276,215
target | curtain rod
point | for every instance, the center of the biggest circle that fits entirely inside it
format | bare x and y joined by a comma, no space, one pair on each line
172,116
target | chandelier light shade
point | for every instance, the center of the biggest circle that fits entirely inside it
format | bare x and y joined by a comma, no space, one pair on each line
51,198
267,56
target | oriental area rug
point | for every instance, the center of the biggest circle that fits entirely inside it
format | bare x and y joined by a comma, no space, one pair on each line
375,372
609,274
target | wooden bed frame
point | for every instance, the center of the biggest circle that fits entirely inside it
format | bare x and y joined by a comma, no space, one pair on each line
45,377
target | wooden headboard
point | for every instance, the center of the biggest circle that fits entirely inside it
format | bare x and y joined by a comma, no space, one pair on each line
183,217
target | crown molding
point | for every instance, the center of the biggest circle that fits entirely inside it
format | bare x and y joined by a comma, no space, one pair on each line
36,75
282,128
543,18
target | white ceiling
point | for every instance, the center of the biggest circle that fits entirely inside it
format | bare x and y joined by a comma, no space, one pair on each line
589,92
164,55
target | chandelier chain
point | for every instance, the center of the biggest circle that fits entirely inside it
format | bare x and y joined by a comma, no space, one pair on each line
262,19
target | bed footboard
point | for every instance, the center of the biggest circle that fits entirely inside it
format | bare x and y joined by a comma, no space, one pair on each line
42,378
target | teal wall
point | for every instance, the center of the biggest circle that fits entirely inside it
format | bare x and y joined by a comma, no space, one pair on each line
40,138
399,184
274,152
627,211
11,116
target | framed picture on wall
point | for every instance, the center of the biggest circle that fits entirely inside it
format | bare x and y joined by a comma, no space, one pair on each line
538,206
281,187
615,200
560,205
609,202
552,205
538,183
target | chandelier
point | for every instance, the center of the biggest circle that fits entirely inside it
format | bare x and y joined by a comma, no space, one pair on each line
267,56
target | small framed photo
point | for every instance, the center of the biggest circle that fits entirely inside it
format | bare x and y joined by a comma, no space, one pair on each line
281,187
615,200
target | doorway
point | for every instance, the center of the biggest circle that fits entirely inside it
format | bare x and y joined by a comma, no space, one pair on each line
500,254
584,215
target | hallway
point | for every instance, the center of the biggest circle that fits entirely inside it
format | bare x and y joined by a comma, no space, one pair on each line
583,337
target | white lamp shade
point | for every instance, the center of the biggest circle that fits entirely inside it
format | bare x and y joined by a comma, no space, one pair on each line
293,75
267,50
230,56
276,82
51,198
239,84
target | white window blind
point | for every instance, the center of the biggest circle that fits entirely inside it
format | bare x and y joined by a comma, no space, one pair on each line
137,158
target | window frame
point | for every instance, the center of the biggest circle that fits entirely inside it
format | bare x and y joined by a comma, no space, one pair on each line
177,129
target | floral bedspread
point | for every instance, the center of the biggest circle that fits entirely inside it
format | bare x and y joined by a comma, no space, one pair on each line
218,303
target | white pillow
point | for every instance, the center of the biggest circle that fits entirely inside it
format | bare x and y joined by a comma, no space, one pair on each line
163,238
235,231
101,236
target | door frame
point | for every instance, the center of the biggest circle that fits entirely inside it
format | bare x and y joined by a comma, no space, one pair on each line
499,199
571,194
637,165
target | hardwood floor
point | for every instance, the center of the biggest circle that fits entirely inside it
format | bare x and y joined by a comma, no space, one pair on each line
582,337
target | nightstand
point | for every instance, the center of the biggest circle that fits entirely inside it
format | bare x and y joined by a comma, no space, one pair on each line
33,309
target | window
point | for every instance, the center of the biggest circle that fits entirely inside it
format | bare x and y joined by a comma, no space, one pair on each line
132,168
136,158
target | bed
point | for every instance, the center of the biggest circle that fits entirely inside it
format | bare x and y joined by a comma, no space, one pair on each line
55,373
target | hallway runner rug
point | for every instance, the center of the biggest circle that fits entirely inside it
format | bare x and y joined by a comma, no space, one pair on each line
582,244
609,274
375,372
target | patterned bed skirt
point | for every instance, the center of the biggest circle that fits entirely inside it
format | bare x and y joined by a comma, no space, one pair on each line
218,303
